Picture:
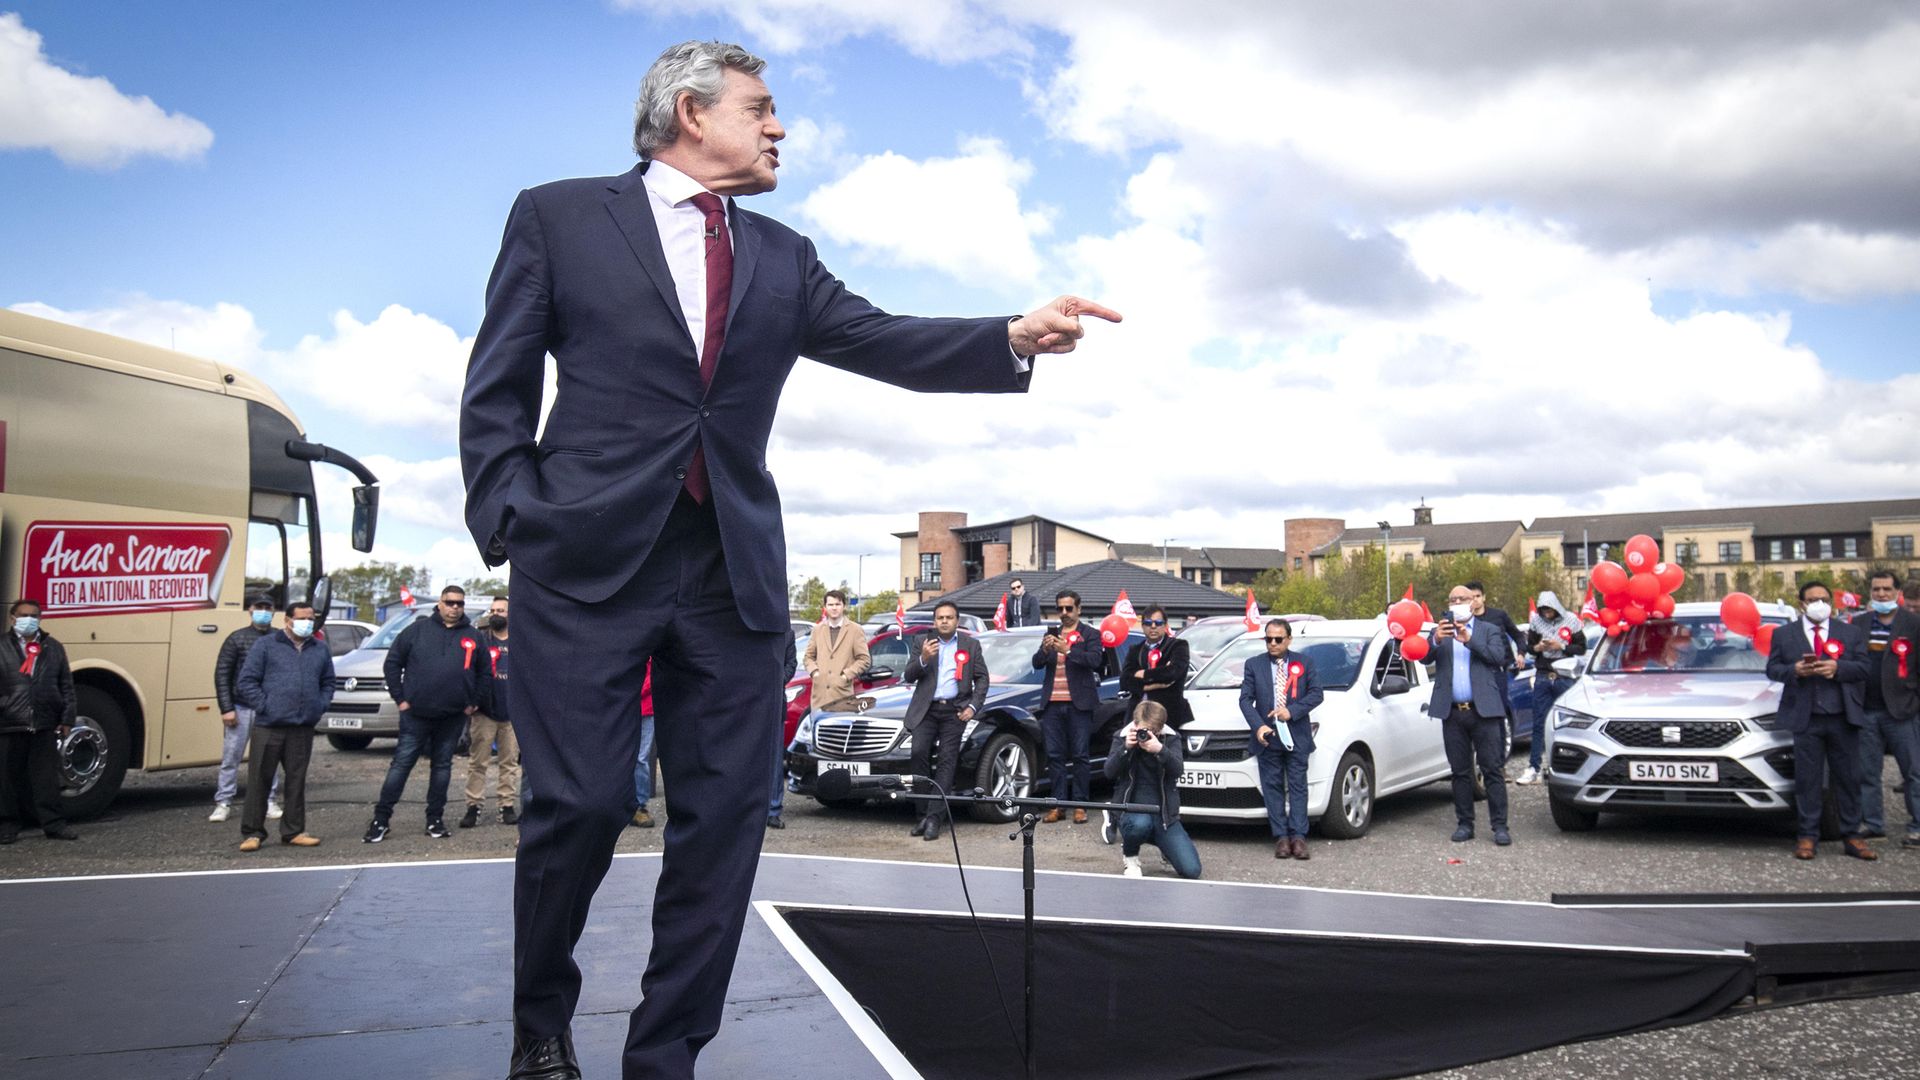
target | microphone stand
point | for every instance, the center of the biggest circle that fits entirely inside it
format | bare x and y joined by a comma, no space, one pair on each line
1031,812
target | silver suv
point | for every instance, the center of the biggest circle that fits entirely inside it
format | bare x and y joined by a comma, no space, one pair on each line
1676,715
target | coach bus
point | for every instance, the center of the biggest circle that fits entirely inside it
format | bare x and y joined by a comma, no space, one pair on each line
144,496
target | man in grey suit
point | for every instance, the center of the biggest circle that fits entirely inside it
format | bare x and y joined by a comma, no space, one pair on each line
1821,664
1470,663
949,678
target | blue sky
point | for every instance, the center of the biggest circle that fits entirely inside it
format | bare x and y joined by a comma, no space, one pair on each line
1304,212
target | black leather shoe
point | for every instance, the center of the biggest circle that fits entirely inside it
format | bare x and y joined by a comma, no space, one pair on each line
775,821
1463,834
509,816
471,818
1502,837
920,827
933,827
62,832
544,1059
9,836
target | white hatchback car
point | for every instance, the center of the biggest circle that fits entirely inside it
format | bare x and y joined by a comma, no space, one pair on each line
1372,735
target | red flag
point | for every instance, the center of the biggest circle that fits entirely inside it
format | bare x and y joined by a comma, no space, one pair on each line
900,614
1123,607
406,596
1426,613
1000,614
1532,608
1849,601
1253,612
1589,611
1408,595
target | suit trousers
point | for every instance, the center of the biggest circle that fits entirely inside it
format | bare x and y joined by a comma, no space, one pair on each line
30,780
1829,745
287,749
942,726
578,669
1468,735
1068,732
1283,786
1886,734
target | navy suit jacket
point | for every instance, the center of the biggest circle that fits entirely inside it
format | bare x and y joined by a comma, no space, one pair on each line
1488,658
582,275
1796,699
1256,698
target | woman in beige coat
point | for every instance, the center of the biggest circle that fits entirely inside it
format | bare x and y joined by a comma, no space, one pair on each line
836,653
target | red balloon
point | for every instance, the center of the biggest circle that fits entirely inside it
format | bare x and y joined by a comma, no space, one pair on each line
1609,616
1404,619
1643,588
1616,629
1609,578
1740,614
1763,638
1662,606
1634,615
1414,648
1642,553
1671,575
1113,630
1616,600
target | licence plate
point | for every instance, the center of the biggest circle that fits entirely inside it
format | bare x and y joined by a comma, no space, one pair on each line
1673,772
852,768
1203,778
349,723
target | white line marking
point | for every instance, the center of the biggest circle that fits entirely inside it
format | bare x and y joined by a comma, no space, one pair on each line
884,1052
290,869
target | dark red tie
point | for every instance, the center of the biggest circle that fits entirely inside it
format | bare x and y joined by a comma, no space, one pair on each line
719,293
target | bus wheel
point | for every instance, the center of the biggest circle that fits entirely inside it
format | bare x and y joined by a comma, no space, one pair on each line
349,742
94,755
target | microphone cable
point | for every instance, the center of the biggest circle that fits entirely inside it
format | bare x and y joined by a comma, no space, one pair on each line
999,988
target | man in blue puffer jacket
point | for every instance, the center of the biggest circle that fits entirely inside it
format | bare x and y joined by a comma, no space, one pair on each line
288,683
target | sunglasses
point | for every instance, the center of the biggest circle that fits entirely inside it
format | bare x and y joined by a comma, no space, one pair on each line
1066,609
1278,640
454,603
1153,622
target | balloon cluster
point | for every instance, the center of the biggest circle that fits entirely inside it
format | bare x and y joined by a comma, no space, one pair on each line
1741,615
1405,618
1638,591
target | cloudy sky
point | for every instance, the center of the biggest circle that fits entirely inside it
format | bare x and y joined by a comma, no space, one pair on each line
1518,259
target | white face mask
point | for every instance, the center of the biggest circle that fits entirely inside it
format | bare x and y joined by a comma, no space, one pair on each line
302,627
1461,612
1819,611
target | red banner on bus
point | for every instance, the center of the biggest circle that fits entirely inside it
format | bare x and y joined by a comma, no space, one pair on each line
123,568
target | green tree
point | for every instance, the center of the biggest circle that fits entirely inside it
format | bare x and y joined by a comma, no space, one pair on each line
485,586
370,582
878,603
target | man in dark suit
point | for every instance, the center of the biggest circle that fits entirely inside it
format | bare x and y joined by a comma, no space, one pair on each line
1156,668
1470,668
1070,694
1278,694
1821,664
948,673
1023,608
643,524
1892,702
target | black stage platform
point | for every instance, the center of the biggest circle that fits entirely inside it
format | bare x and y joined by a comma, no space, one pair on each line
402,970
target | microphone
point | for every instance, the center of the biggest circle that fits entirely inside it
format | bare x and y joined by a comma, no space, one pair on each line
841,784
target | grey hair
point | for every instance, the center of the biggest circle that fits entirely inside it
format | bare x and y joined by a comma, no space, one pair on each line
691,67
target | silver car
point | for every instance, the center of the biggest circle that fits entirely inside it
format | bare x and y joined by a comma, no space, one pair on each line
1675,715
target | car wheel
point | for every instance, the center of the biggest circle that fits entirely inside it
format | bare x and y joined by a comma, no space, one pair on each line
1006,769
349,742
1571,818
1350,811
94,755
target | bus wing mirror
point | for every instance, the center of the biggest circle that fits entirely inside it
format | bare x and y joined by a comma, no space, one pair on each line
322,599
366,515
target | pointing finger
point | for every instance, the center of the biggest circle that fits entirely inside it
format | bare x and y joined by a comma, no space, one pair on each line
1074,305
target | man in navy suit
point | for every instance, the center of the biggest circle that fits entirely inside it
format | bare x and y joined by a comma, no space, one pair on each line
643,524
1278,694
1821,664
1471,659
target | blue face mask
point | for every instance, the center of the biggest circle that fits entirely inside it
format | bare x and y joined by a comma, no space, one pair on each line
263,619
1885,607
28,625
303,628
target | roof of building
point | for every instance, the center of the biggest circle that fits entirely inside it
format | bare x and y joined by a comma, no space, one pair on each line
1099,584
1152,551
973,525
1237,558
1803,519
1452,536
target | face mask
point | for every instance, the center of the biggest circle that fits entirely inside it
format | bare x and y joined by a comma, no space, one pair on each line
1461,612
1885,607
499,622
1819,610
302,627
263,619
28,625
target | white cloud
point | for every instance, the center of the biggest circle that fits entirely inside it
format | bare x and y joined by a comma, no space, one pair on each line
959,215
83,120
944,30
812,147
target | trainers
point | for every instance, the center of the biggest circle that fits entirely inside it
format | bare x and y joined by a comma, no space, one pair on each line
274,812
1130,866
1531,776
1502,837
642,819
438,829
1108,833
1463,834
471,818
302,840
376,831
251,843
221,811
1912,840
509,816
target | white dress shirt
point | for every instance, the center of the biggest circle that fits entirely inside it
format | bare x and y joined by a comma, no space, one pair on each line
683,230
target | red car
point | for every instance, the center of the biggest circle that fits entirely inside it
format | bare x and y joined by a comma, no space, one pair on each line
889,652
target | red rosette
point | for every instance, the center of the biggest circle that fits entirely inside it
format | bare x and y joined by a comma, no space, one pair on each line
33,657
1566,634
959,661
1834,649
1153,657
1901,647
468,644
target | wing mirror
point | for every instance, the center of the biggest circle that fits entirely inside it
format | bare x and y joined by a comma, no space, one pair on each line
1393,684
1571,666
878,674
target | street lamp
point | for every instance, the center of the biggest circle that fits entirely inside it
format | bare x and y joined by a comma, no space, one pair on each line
1386,552
1163,552
860,572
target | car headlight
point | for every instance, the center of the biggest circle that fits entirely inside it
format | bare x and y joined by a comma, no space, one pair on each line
804,733
1769,722
796,691
1567,718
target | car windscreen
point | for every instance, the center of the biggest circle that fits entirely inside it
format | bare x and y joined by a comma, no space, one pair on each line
383,637
1010,659
1687,643
1336,662
1211,637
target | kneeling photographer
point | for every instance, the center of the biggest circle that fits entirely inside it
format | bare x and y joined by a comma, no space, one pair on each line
1146,769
